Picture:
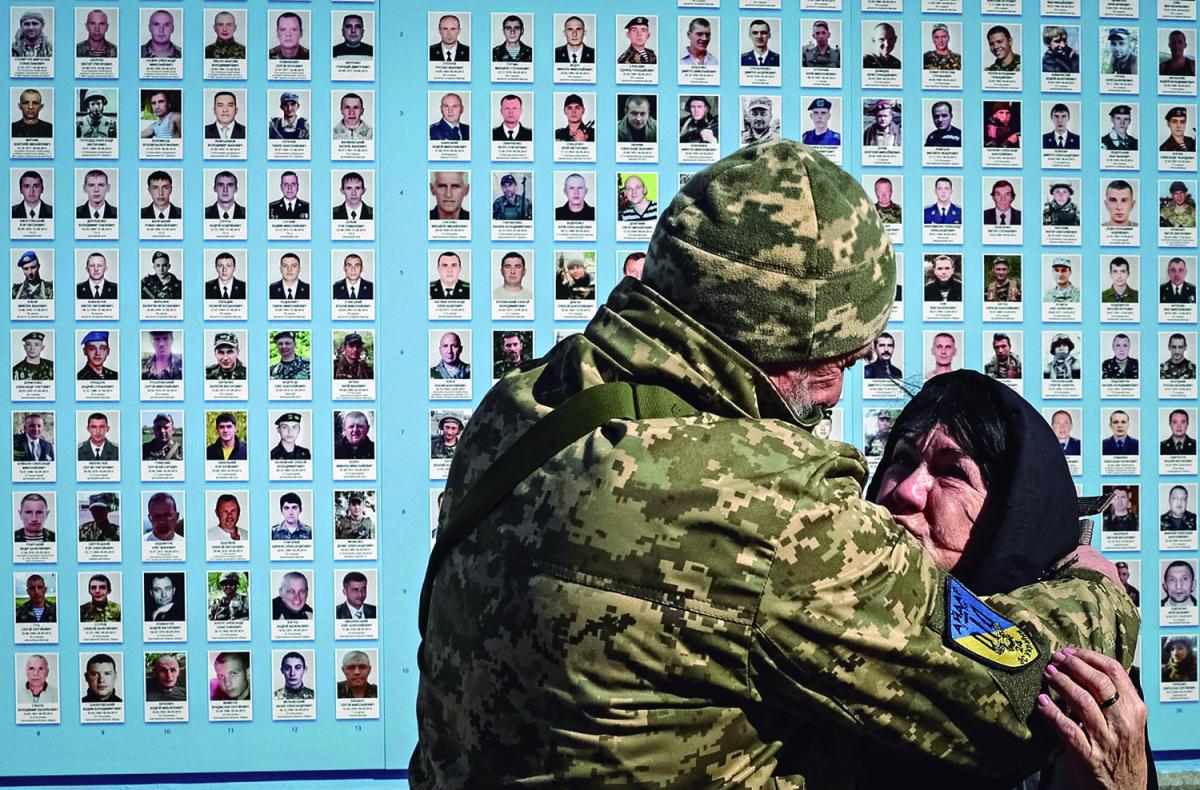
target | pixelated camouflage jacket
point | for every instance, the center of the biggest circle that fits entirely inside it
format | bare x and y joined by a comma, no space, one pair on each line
695,601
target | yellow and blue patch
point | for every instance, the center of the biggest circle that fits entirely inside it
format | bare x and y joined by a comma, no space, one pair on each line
977,631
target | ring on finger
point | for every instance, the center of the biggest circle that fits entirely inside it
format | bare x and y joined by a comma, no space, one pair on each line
1108,703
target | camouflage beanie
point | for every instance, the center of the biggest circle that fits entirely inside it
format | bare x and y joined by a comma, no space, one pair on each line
779,252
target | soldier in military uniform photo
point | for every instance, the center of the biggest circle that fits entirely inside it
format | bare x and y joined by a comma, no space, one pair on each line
291,526
1120,291
354,440
1004,364
699,122
95,353
1063,364
351,361
450,364
162,446
1060,209
224,45
1000,43
512,49
1177,138
510,205
1177,290
448,285
291,366
1178,210
94,123
99,528
1002,287
760,52
1122,56
1003,126
445,442
889,210
637,30
33,286
1177,518
637,124
877,441
881,366
99,609
1120,365
293,667
356,668
229,604
1178,442
162,283
33,511
1177,366
97,447
34,367
884,131
288,426
1118,138
941,57
511,353
819,110
162,363
820,53
227,367
878,54
1121,515
354,524
30,124
36,608
575,49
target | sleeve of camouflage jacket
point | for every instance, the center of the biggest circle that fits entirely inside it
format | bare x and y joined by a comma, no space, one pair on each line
850,624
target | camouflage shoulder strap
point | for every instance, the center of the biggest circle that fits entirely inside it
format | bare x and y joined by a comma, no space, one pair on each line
576,417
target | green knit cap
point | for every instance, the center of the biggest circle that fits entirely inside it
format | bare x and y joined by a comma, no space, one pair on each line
779,252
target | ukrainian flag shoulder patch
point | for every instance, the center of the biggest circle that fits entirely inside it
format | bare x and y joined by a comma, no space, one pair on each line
980,633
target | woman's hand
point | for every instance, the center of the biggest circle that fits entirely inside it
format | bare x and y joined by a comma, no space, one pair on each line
1105,733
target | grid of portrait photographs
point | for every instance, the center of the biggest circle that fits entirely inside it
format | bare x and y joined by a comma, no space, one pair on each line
226,291
973,115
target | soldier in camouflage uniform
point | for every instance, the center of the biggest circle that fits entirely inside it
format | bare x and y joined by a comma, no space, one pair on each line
1179,210
819,54
162,364
941,58
99,609
1060,209
685,594
33,367
890,212
231,605
99,528
350,362
875,443
33,286
1178,366
446,442
228,367
354,525
638,32
1177,518
510,205
164,446
291,366
162,283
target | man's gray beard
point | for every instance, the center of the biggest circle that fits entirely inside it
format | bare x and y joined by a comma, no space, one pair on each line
794,391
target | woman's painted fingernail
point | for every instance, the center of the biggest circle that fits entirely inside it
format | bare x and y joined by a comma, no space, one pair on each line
1070,650
1051,669
1058,656
1043,700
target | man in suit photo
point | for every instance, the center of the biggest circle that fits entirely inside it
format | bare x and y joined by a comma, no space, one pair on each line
225,285
289,206
31,444
354,588
289,286
1178,442
510,127
1120,443
96,286
1060,137
225,186
31,205
95,189
1177,290
575,50
97,447
760,53
449,48
226,126
160,185
353,285
1002,211
1062,424
353,207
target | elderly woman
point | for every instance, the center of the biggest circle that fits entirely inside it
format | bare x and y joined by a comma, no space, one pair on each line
974,473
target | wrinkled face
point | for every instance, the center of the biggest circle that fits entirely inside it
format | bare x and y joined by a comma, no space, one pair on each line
513,348
573,112
941,40
1002,348
1119,203
289,432
352,111
450,348
356,593
97,25
573,32
450,430
289,186
164,430
1062,276
352,30
1060,195
760,119
162,591
448,29
697,108
96,266
286,347
1179,425
1060,119
294,592
101,678
1120,502
227,431
448,189
943,190
31,104
225,268
160,193
760,35
162,27
820,119
1178,501
289,268
944,349
356,671
288,32
355,429
820,35
33,348
227,357
1177,346
1000,271
231,677
225,108
1120,347
884,40
451,108
1177,124
513,269
225,188
1119,275
1179,583
166,672
1000,45
31,189
1061,423
35,588
943,269
512,32
352,190
34,427
936,492
1176,271
1119,48
224,25
1120,123
164,518
36,672
228,513
942,116
98,590
883,193
638,35
699,37
97,430
293,670
1119,423
33,515
884,347
635,190
575,188
96,353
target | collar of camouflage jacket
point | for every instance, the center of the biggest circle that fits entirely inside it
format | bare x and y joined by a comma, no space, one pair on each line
648,339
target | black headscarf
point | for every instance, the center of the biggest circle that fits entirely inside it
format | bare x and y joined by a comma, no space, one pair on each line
1031,513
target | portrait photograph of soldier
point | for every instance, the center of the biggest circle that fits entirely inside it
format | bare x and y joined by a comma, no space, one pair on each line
1119,50
1177,357
33,350
760,53
1179,441
1060,208
224,114
450,355
27,108
510,348
1002,211
1178,659
356,589
1002,125
357,268
357,32
291,685
99,517
1061,55
228,596
884,350
160,283
31,186
289,430
1178,604
1123,364
882,123
760,119
230,679
822,47
1004,44
289,38
943,210
289,355
94,119
225,435
292,601
1063,424
162,436
576,125
166,677
1120,200
353,355
943,278
1002,278
1178,516
160,25
699,119
1177,289
446,430
639,32
1177,209
575,188
1173,60
637,118
881,40
226,285
703,41
290,123
32,33
451,38
575,277
451,272
354,189
357,671
512,202
223,42
91,33
95,444
1122,424
1061,136
160,361
290,284
35,517
225,362
164,521
353,114
354,514
453,111
98,282
508,35
823,115
1178,125
941,60
160,114
1063,363
574,49
1004,362
225,186
885,189
32,277
1124,508
943,352
102,678
101,597
943,133
1120,122
35,596
1120,273
164,597
96,347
